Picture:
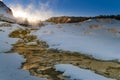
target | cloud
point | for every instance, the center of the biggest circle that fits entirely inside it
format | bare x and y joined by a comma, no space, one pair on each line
30,11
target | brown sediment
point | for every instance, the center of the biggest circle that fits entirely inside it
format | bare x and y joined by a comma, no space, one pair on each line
40,60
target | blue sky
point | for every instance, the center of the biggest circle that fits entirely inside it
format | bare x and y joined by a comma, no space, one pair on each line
76,7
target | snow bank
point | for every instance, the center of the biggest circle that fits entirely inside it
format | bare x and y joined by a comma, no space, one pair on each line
76,73
99,39
5,41
32,43
10,68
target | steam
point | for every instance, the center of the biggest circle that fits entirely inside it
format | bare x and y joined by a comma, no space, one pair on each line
32,13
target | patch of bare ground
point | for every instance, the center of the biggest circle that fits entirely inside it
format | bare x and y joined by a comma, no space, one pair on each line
112,30
105,20
6,24
40,60
95,26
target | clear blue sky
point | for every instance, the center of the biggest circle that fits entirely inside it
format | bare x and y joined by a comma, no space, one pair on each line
77,7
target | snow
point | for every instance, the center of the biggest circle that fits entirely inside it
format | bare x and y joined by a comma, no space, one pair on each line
32,43
10,68
5,41
102,42
5,16
4,11
99,38
76,73
10,63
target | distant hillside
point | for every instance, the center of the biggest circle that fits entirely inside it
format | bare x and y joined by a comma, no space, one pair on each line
117,17
6,13
68,19
4,9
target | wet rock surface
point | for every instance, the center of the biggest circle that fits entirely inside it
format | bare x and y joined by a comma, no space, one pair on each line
67,19
40,60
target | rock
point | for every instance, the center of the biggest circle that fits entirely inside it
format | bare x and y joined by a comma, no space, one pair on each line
66,19
112,30
29,66
95,26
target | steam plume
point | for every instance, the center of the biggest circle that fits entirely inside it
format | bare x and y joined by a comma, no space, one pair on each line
31,12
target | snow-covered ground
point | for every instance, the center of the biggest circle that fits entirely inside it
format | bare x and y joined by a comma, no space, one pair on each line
76,73
101,42
99,38
10,63
5,41
10,68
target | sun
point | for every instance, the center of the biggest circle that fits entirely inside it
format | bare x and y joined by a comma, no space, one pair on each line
22,13
31,13
25,15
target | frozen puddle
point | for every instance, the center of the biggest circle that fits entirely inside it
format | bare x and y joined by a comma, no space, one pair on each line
10,68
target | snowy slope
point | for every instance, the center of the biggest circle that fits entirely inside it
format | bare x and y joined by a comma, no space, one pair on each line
76,73
6,13
4,10
5,41
99,38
